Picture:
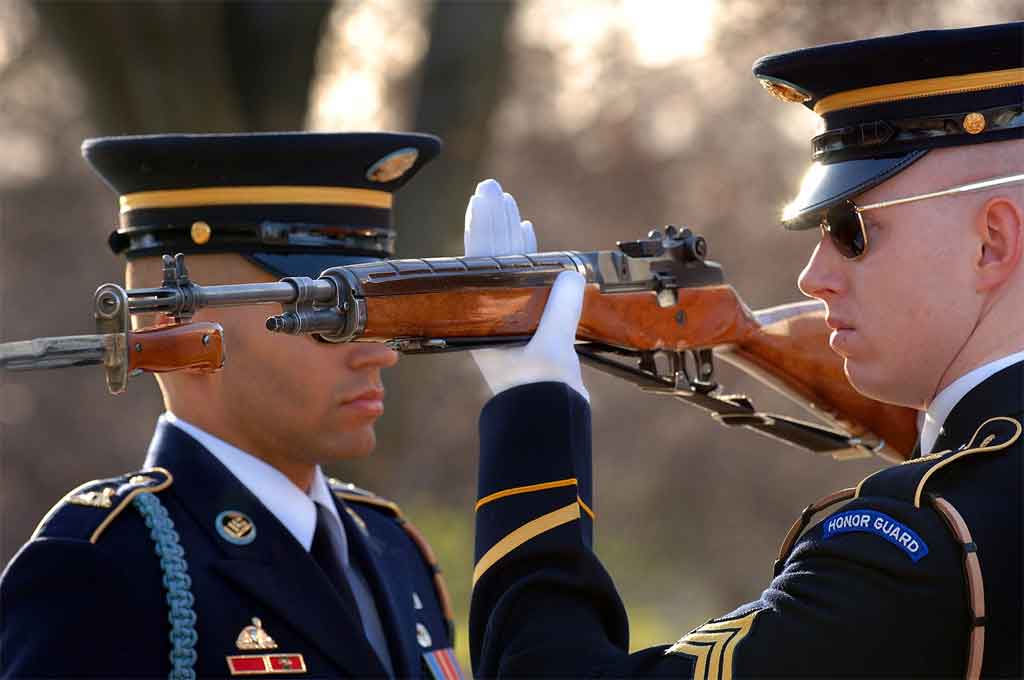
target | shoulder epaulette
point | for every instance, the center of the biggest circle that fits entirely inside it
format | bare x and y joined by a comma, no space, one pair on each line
907,481
352,493
86,511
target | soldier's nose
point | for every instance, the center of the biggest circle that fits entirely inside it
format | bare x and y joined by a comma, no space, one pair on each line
822,277
372,355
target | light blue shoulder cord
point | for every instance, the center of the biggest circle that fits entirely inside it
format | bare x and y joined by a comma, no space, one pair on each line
177,583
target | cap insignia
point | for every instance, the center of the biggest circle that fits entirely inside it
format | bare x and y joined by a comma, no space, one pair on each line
235,527
254,637
787,92
95,499
392,166
200,233
974,123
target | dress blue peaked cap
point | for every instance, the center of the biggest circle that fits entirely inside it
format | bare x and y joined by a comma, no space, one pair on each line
294,203
885,102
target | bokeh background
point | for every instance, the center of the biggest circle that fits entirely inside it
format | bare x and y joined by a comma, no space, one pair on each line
603,117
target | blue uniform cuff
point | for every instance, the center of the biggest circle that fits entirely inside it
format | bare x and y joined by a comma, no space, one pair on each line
534,460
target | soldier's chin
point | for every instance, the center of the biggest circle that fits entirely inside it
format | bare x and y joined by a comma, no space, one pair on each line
872,380
357,443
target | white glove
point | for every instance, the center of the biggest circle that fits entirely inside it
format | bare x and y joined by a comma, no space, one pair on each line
493,228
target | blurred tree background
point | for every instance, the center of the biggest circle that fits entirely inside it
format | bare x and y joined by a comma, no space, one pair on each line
603,118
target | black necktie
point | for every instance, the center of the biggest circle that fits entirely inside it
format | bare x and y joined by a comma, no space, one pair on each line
326,551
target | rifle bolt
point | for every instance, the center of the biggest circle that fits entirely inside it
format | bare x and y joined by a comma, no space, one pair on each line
681,317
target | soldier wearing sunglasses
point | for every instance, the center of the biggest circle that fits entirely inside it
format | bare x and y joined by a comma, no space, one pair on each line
917,186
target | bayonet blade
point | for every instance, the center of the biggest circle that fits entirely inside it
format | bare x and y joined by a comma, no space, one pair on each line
56,352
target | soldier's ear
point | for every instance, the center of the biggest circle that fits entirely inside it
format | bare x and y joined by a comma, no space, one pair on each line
1000,228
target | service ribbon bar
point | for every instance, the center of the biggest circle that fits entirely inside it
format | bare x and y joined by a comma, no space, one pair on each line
443,664
262,664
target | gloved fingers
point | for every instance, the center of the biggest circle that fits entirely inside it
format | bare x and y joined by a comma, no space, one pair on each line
513,226
562,312
477,237
529,237
484,218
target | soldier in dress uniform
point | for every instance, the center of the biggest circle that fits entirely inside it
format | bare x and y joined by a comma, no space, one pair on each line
917,187
230,552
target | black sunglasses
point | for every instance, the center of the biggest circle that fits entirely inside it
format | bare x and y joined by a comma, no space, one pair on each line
844,223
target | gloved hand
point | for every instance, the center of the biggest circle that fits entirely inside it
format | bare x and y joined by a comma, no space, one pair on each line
493,228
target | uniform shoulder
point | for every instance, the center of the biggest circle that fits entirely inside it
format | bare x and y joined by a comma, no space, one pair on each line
86,511
353,494
909,481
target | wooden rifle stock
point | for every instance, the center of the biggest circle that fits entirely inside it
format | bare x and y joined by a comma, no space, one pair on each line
785,347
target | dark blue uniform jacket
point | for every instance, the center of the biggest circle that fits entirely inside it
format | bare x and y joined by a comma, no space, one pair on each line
85,597
876,588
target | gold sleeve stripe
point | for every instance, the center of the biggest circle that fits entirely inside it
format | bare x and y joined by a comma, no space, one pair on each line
982,448
912,89
524,489
713,646
586,508
527,532
269,195
128,498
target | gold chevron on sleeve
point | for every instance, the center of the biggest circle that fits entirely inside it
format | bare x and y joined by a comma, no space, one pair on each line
713,645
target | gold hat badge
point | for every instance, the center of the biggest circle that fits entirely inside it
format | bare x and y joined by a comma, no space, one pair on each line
787,92
254,637
392,166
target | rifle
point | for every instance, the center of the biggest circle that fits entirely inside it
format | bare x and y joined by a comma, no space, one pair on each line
656,312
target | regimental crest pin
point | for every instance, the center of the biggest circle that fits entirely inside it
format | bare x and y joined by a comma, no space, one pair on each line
235,527
254,637
95,499
392,166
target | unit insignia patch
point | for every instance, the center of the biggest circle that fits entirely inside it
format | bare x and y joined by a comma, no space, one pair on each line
880,524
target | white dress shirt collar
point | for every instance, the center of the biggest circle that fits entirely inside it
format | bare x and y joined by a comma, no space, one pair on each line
285,501
943,404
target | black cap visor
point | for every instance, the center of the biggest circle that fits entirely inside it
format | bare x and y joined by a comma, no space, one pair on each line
826,185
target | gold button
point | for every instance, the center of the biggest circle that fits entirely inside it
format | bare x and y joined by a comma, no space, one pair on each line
974,123
200,232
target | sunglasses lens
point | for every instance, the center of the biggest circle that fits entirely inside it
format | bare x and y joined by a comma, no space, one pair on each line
844,228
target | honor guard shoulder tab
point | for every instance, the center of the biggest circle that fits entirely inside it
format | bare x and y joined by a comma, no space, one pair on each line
908,481
353,494
85,512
